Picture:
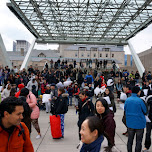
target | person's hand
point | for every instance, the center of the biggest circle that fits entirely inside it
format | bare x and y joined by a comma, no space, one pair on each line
76,107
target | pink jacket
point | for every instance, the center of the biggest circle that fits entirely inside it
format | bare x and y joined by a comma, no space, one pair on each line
31,100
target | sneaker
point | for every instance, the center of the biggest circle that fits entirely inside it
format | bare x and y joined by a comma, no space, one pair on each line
38,136
145,150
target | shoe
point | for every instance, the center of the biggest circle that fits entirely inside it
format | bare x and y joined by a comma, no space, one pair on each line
125,133
145,150
38,136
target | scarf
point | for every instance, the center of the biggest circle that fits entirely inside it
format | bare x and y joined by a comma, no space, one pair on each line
83,99
94,146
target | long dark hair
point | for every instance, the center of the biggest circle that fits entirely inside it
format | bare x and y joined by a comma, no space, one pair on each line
105,104
111,95
12,92
110,92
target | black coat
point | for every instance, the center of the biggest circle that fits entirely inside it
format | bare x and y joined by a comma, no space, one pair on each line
61,103
85,111
149,103
27,113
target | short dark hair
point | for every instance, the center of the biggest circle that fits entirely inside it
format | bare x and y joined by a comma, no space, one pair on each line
9,104
82,92
62,90
135,89
95,123
24,92
126,86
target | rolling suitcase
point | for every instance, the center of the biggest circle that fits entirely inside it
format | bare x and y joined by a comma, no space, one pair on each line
55,124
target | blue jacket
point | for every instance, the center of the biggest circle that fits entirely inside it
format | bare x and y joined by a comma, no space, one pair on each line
89,79
135,111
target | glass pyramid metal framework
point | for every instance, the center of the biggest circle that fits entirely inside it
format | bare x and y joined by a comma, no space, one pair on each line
83,21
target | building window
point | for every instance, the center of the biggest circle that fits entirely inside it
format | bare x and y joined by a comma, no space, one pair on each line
100,54
112,55
82,55
88,55
125,60
106,55
76,55
82,48
94,55
94,49
41,55
106,49
131,60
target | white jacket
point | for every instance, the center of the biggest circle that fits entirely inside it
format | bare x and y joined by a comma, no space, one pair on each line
30,84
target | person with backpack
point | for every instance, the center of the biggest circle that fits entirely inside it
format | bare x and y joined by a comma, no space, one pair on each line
14,134
61,106
85,108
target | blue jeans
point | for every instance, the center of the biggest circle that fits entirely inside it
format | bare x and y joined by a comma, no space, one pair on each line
62,123
70,100
139,136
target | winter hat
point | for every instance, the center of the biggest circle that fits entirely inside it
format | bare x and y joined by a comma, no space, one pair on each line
20,86
53,84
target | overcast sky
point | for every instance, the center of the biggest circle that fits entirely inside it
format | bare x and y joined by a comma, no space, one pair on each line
12,29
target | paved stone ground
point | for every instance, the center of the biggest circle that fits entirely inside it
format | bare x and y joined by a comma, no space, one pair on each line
70,141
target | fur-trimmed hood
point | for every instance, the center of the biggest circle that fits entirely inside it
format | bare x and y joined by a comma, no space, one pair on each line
65,95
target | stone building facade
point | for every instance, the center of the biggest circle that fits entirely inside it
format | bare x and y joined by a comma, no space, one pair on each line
146,59
71,53
100,52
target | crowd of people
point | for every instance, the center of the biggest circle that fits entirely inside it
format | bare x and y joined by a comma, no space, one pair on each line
95,119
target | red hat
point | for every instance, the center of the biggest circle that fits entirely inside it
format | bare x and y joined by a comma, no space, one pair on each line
20,86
